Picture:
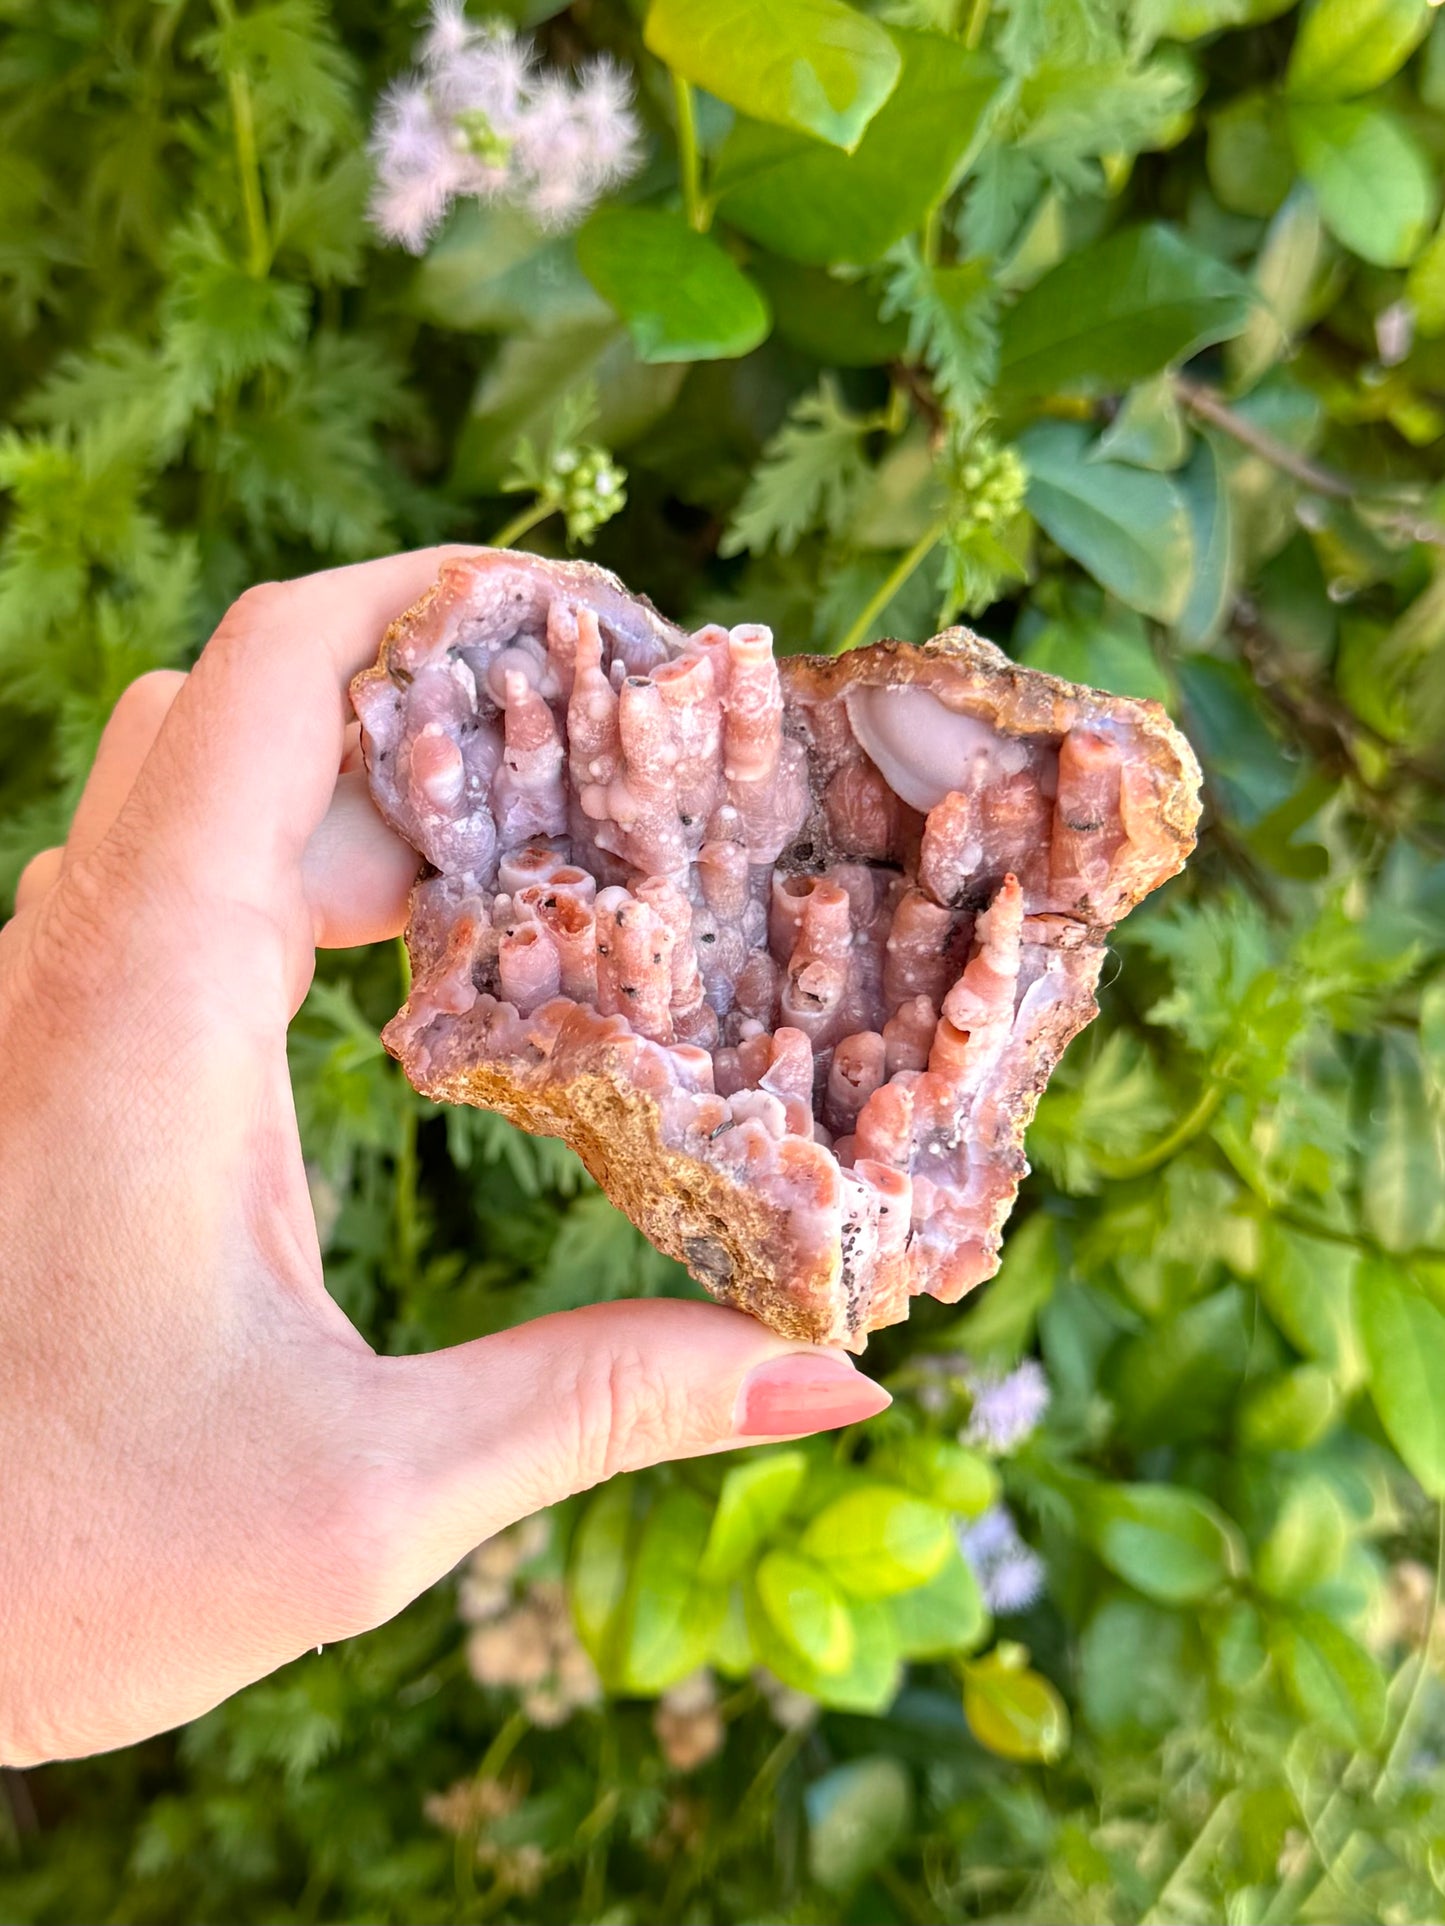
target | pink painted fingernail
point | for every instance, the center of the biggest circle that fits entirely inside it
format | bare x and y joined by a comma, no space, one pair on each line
805,1391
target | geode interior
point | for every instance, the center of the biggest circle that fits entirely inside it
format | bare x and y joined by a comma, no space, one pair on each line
786,949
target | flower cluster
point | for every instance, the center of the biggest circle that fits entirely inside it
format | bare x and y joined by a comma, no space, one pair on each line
987,484
1010,1575
687,1723
1006,1409
577,479
524,1640
483,119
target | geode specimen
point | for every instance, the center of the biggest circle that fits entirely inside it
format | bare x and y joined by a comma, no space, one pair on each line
786,950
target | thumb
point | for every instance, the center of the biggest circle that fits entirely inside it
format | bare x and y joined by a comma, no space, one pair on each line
492,1431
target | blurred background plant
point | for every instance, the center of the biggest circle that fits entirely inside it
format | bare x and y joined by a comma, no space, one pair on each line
1118,325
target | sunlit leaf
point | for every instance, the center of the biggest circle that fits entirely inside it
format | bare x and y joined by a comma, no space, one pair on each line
816,65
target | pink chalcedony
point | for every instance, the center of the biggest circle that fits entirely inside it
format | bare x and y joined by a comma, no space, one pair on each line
825,925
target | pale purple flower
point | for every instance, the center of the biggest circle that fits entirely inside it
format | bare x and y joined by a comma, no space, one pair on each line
419,170
483,120
1006,1409
449,34
1010,1574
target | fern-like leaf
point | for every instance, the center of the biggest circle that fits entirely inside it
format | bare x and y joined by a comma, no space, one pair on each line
952,315
807,478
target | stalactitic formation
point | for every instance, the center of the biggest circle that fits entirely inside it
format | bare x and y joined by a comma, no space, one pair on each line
786,949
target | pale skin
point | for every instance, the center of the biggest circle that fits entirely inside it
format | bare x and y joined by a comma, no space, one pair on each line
206,1468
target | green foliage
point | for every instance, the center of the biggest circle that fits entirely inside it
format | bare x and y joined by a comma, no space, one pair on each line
1119,329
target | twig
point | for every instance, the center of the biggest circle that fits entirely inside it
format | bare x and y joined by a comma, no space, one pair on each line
1325,725
1209,405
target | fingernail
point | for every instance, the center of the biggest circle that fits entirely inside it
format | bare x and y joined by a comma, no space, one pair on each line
805,1391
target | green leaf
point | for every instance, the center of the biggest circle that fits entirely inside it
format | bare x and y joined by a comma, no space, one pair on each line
816,204
1289,1412
1213,578
1308,1543
808,476
1374,181
828,317
945,1615
815,65
1332,1680
1149,430
492,271
877,1540
1425,288
857,1814
1013,1711
1402,1165
1192,19
1135,1671
1118,311
902,496
672,1615
1308,1288
1168,1543
806,1611
1113,653
754,1497
1349,47
1249,158
1286,273
1172,1382
597,1578
1403,1334
682,296
952,314
597,1255
1128,528
732,1646
942,1470
525,387
870,1682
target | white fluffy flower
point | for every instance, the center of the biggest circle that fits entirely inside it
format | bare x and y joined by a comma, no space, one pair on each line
449,34
418,169
1010,1575
482,120
1007,1409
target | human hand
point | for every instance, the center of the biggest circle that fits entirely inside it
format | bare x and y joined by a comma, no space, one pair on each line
206,1469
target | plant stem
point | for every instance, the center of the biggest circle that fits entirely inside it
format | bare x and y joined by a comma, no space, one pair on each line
503,1746
1209,405
977,21
699,214
1215,1827
248,166
1189,1126
877,602
514,530
928,240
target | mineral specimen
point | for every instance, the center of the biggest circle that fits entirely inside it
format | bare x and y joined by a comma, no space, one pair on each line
785,949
